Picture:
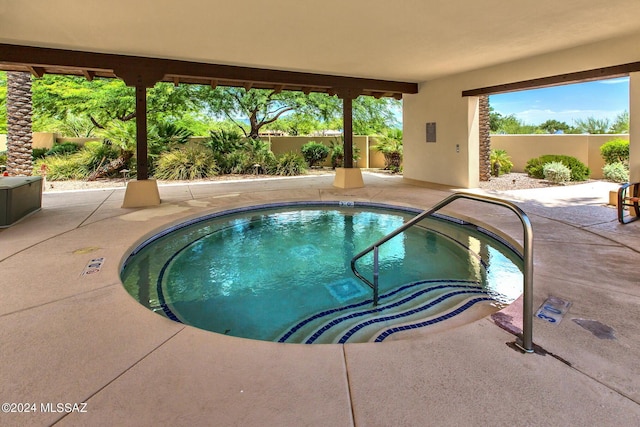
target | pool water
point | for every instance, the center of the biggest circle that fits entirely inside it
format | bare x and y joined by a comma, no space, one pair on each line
283,274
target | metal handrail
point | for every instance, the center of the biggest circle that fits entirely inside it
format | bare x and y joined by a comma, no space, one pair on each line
527,296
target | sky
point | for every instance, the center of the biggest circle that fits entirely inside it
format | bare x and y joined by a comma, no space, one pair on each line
600,99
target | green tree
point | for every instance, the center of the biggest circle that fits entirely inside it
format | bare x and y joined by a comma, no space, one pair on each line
511,125
592,125
553,126
620,123
373,116
105,100
260,107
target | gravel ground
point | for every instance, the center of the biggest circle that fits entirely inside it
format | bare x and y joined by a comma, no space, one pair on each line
514,181
510,181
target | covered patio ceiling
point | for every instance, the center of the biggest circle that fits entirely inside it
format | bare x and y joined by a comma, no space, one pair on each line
408,41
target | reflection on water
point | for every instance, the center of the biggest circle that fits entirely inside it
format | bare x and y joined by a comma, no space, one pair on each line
250,274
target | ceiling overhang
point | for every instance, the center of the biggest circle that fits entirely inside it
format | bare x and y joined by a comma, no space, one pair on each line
146,71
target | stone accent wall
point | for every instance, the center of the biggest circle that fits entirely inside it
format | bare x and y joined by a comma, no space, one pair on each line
485,139
19,135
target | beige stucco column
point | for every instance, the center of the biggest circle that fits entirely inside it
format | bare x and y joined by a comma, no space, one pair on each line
634,127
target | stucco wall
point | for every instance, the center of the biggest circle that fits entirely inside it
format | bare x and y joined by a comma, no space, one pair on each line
586,148
368,157
441,101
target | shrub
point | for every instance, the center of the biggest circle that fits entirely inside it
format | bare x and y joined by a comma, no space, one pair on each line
579,172
224,142
3,157
556,172
189,162
616,172
62,168
63,148
336,147
500,162
38,153
290,164
77,165
615,151
392,151
314,152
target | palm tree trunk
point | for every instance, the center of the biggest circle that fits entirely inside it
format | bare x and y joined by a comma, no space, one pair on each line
19,133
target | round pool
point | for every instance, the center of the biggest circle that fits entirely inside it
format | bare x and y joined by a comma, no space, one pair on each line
281,272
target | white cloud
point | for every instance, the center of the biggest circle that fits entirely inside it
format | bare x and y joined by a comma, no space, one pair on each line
619,80
536,117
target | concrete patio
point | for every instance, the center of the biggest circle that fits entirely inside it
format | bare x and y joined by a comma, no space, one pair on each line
72,338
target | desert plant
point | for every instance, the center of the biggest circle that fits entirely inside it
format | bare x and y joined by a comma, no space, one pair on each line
616,172
189,162
314,152
391,148
579,171
556,172
37,153
63,148
336,147
615,151
500,162
62,168
290,164
224,141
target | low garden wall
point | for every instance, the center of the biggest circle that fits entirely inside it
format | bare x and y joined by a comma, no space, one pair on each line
586,148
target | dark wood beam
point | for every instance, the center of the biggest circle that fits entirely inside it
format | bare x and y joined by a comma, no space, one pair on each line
347,120
141,133
557,80
36,71
213,83
176,81
88,74
155,69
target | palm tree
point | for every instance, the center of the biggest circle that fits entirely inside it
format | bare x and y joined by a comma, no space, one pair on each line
19,133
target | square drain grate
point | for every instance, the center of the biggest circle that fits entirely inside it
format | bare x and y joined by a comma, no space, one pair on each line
346,289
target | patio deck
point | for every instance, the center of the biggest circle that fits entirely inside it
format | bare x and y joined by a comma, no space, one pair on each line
67,338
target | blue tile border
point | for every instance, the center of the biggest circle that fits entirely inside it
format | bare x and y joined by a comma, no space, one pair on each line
356,328
457,311
325,313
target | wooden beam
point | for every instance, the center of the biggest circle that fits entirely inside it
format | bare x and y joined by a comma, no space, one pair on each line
141,133
213,83
154,69
176,81
247,86
36,71
306,90
88,74
278,88
557,80
347,120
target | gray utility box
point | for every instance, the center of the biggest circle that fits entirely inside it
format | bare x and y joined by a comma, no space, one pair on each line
19,197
